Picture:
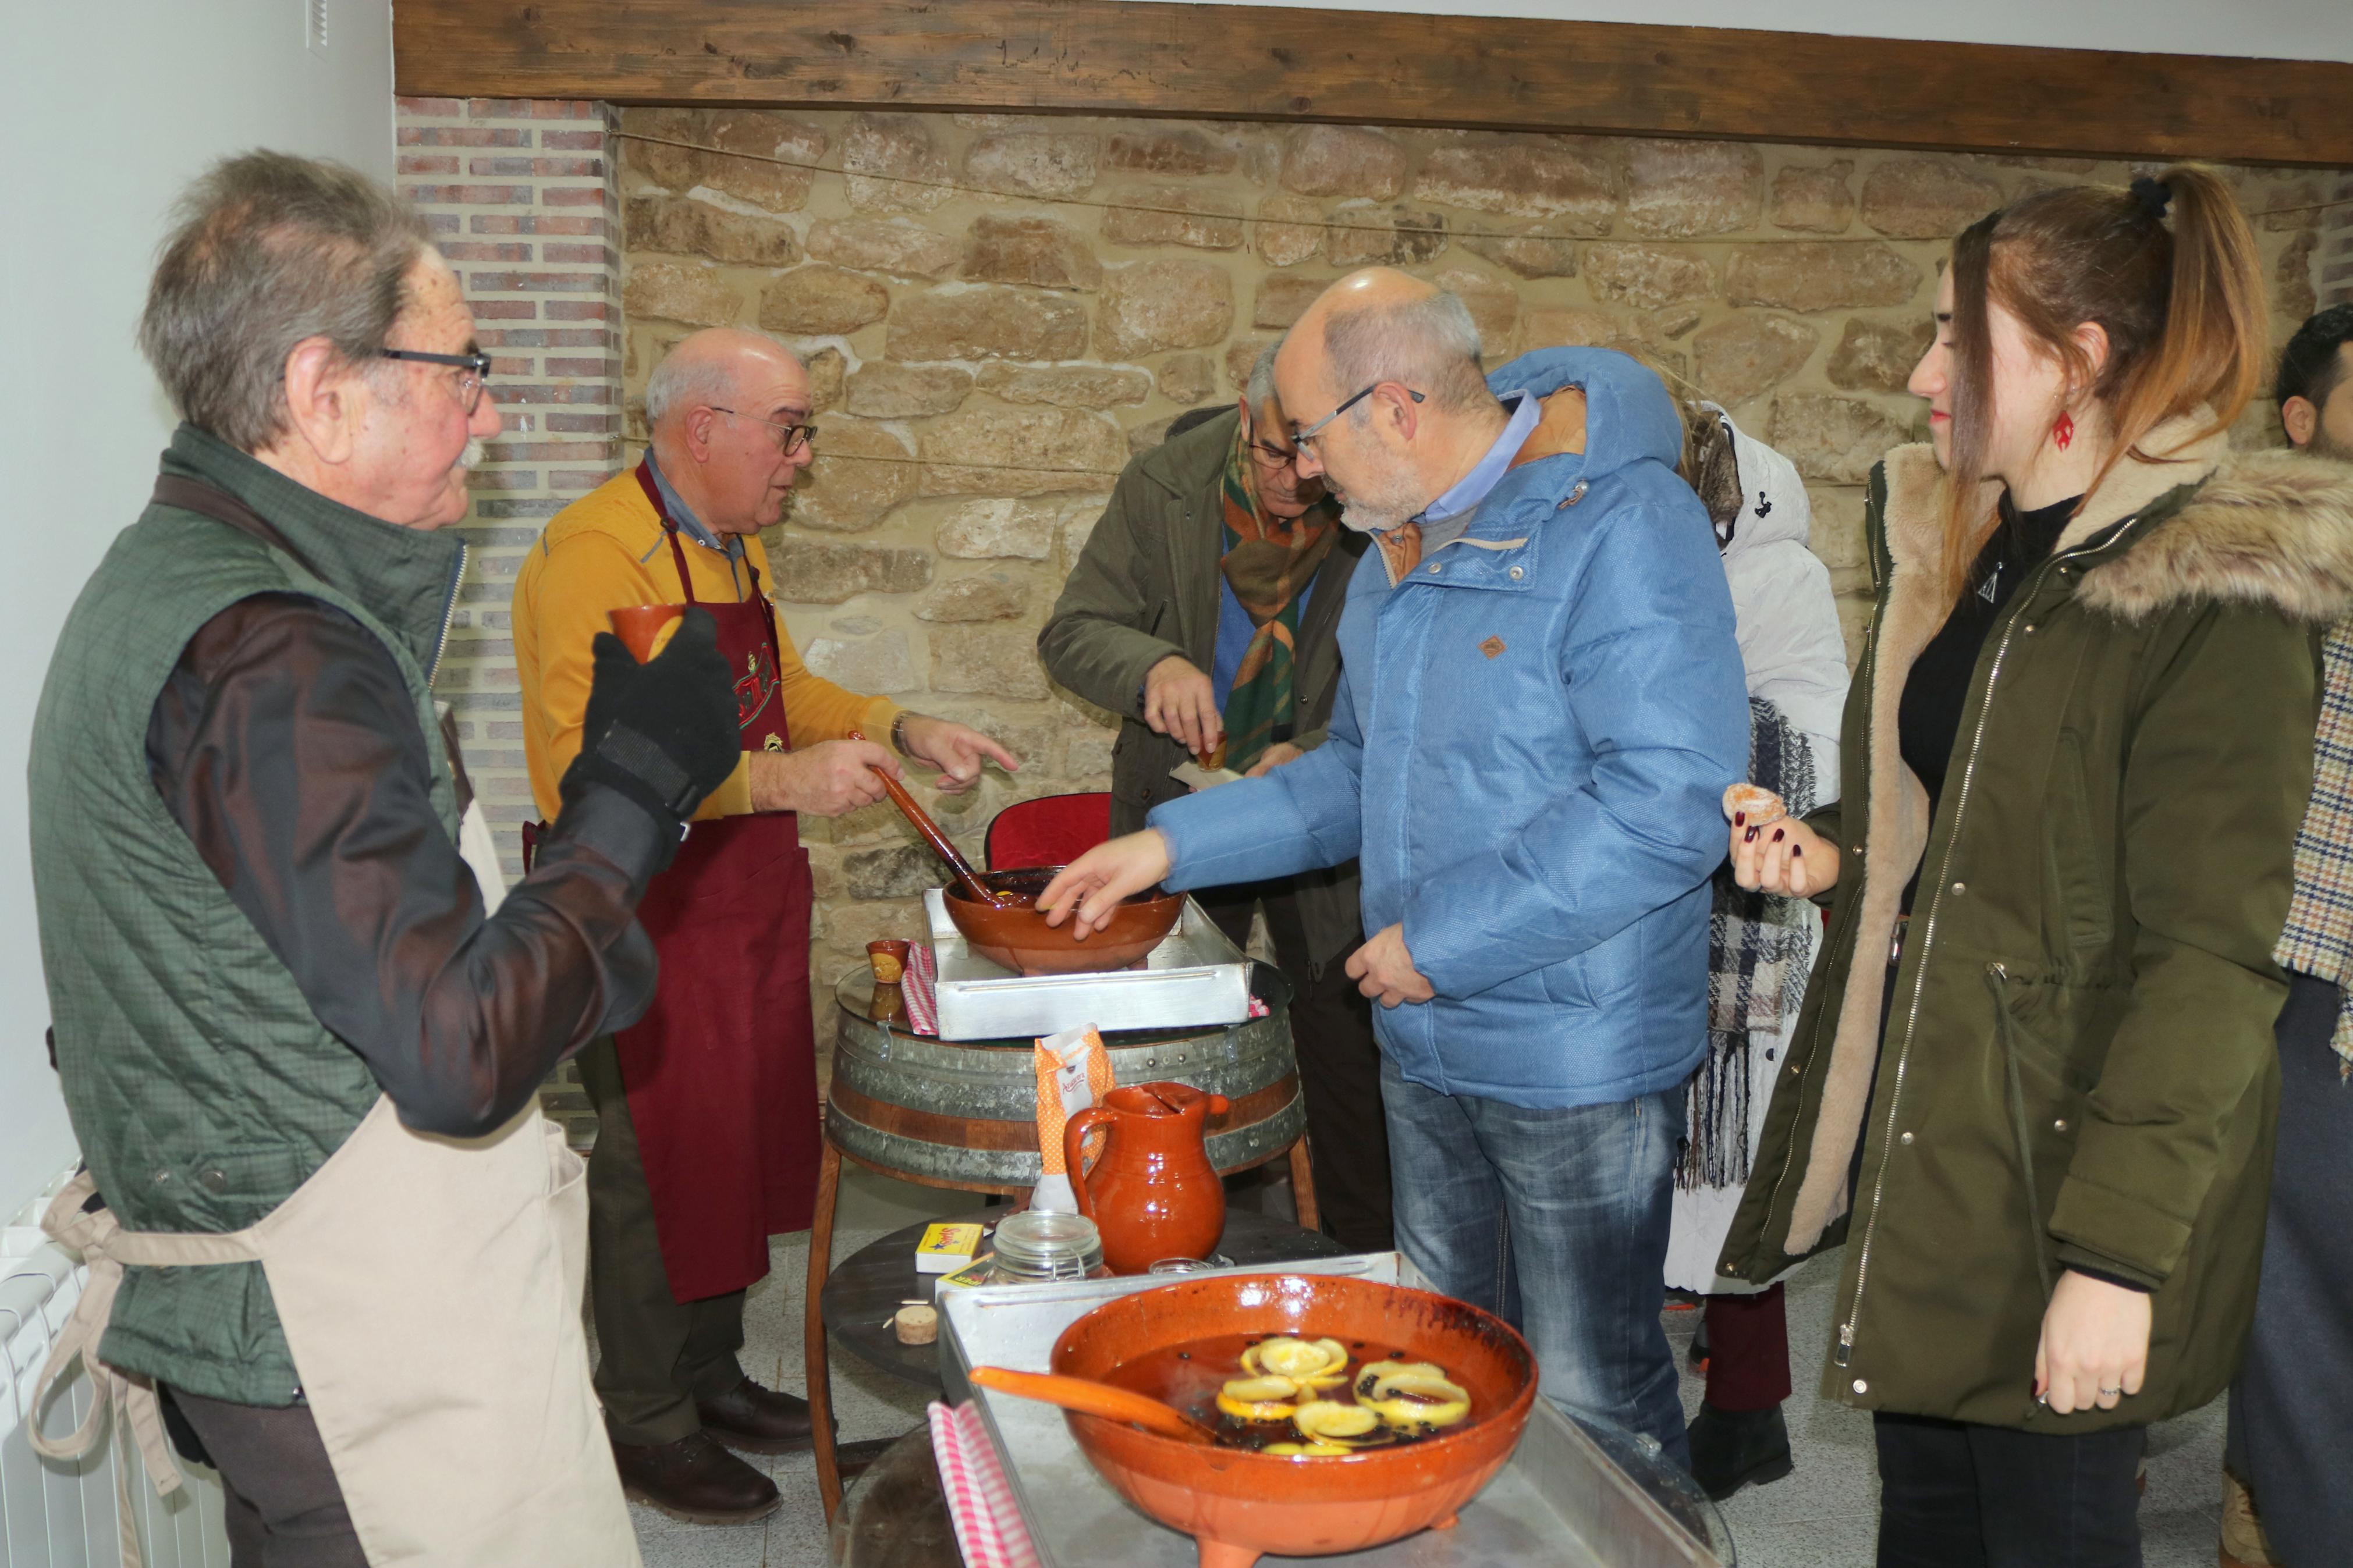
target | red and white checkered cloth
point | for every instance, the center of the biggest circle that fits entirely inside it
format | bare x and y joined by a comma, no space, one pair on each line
920,991
988,1525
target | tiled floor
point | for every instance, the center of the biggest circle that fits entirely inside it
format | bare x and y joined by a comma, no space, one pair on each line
1820,1516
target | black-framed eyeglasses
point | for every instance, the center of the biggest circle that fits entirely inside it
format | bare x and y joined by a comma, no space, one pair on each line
477,366
1302,438
790,438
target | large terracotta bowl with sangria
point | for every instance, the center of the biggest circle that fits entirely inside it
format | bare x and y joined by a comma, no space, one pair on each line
1348,1413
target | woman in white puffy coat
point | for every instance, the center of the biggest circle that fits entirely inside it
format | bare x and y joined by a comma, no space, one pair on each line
1760,950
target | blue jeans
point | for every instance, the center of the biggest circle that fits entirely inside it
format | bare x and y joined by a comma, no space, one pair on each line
1556,1220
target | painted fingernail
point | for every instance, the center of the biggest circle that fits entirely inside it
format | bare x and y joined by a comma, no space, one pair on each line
1776,835
1797,850
1739,817
1750,837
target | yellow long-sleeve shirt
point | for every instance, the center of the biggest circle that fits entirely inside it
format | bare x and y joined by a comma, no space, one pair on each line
604,553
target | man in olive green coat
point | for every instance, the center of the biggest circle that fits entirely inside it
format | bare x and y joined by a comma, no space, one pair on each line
1204,611
2077,1070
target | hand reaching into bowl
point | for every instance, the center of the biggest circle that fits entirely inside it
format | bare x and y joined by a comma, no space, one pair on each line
1089,888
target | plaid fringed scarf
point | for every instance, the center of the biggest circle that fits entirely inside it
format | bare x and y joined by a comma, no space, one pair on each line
2318,940
1756,948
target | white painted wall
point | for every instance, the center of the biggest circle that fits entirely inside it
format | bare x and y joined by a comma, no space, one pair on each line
107,112
2269,30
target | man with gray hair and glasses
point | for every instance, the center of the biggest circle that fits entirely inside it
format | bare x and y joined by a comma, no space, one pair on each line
1541,706
1205,611
707,1138
299,1017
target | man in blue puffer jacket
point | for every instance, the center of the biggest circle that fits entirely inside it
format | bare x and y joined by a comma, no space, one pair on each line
1541,706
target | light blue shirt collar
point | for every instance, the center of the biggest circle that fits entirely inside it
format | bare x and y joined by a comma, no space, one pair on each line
1443,520
683,515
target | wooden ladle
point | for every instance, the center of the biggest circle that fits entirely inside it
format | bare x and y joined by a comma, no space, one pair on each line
1092,1398
978,890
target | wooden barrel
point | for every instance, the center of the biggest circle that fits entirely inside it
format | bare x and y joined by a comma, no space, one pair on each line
964,1114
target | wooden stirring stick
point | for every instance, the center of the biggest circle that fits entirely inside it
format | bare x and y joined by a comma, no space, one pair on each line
1089,1398
977,890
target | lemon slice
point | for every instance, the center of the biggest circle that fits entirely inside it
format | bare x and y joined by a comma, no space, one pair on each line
1327,1420
1258,1398
1421,1385
1407,1402
1306,1450
1370,1375
1284,1357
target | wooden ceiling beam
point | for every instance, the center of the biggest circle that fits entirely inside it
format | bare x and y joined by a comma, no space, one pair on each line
1281,63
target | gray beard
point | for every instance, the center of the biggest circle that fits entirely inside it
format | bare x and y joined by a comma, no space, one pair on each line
1379,511
2323,445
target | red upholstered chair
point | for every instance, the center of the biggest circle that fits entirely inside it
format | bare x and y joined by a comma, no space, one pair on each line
1051,830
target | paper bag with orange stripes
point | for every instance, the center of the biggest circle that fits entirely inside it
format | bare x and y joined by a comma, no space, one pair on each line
1074,1073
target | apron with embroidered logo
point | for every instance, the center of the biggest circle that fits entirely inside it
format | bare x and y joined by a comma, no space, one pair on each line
721,1072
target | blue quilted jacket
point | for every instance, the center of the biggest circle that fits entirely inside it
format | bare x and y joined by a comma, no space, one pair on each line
1532,734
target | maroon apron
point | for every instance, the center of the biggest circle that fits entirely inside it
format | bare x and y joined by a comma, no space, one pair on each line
722,1073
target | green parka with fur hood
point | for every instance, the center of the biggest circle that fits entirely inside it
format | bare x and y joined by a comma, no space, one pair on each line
2079,1069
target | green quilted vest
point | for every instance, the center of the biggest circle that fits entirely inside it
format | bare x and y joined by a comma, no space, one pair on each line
202,1089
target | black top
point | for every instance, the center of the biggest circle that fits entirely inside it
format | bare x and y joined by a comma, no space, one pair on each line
1928,720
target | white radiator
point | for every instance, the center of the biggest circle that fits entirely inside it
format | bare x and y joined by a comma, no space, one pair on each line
59,1515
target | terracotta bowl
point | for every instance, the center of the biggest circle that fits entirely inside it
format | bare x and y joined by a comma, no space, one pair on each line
1020,939
1237,1504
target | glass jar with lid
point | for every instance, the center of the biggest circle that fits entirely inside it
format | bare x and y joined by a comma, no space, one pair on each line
1040,1246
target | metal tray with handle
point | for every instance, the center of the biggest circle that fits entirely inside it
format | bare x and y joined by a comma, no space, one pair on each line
1194,979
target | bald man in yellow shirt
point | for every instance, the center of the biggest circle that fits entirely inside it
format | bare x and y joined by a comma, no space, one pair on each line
708,1109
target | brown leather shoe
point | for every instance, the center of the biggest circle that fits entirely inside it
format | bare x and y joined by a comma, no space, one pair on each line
755,1420
695,1479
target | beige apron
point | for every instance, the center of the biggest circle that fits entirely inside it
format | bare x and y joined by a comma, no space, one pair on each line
430,1291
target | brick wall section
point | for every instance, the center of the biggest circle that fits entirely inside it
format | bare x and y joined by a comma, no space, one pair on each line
520,194
521,197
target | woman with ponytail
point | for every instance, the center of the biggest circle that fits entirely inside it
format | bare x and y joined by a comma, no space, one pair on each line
2033,1086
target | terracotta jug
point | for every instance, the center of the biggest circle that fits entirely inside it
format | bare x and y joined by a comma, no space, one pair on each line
1153,1193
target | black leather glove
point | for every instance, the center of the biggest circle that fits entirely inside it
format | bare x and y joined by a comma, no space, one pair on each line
665,733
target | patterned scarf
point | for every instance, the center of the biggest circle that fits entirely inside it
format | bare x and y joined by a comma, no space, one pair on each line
1268,561
1756,950
2318,940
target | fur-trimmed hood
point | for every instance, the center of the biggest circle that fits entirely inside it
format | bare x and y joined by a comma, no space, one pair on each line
2269,528
2272,528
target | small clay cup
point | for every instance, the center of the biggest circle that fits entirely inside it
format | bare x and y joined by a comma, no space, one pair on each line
889,958
639,627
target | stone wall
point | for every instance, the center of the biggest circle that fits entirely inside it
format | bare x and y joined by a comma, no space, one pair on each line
2333,266
998,311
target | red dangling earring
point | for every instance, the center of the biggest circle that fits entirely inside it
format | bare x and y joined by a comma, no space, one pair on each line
2063,433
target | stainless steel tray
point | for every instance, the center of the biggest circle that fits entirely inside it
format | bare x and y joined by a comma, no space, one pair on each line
1570,1499
1194,979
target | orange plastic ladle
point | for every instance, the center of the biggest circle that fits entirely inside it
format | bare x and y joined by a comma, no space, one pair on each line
1092,1398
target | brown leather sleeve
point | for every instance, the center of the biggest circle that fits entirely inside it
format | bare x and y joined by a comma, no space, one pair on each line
286,745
